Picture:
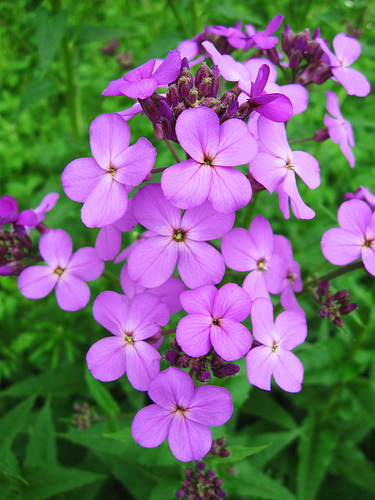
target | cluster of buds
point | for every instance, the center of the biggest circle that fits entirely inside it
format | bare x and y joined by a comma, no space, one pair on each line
201,485
201,367
334,305
186,92
15,246
305,56
125,59
83,416
218,448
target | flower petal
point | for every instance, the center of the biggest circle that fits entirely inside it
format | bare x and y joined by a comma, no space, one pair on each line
211,405
188,440
72,293
262,321
110,309
230,190
288,371
340,247
232,302
106,359
237,248
142,364
151,425
203,223
193,334
231,340
55,247
290,329
80,177
172,388
260,363
86,264
36,282
237,146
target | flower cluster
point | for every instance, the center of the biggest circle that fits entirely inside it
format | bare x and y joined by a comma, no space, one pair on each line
334,305
194,252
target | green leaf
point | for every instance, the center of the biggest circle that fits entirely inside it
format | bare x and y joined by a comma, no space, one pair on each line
352,463
61,382
49,480
278,441
37,90
49,32
364,392
262,404
252,483
315,451
101,395
42,444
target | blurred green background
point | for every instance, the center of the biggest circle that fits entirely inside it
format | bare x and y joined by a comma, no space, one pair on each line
318,444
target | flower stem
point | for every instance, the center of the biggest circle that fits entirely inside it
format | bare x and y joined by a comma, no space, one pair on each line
158,170
334,274
172,150
168,332
303,139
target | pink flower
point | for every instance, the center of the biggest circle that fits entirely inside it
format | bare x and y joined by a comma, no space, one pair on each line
339,129
214,150
131,322
182,414
214,320
66,272
263,39
347,50
176,239
354,239
142,82
275,167
9,213
274,356
102,183
253,251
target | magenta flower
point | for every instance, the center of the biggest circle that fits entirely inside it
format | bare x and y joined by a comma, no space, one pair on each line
182,414
102,183
169,292
65,271
263,39
214,150
273,357
354,239
234,35
108,241
339,129
253,251
362,193
131,323
214,320
276,165
9,213
176,239
142,82
347,50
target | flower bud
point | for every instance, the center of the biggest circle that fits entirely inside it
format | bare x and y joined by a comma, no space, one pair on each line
323,288
172,97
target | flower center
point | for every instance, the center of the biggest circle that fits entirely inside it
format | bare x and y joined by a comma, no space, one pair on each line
262,265
112,171
367,243
129,338
291,277
216,321
179,235
275,346
59,271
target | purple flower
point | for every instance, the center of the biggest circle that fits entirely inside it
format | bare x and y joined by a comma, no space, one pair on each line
339,129
175,239
347,50
354,239
142,82
276,164
214,320
263,39
65,271
131,322
9,213
234,35
183,414
108,241
273,357
253,251
362,193
47,204
102,183
169,292
214,150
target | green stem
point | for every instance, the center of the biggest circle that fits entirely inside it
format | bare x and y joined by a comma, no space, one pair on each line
334,274
172,150
179,18
304,139
111,277
72,94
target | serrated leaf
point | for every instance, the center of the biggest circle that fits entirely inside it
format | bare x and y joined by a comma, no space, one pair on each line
315,451
101,395
49,32
49,480
251,482
41,448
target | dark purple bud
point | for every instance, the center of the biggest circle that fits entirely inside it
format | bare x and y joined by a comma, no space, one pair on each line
294,59
347,308
185,64
322,313
341,295
217,481
316,34
189,473
125,59
150,109
27,242
210,474
195,365
230,369
17,254
323,288
183,361
221,441
321,135
111,47
222,494
175,345
165,110
203,73
181,493
224,453
338,321
172,357
178,110
255,185
158,131
216,81
203,376
287,39
322,76
185,83
273,55
172,97
200,466
192,97
216,361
